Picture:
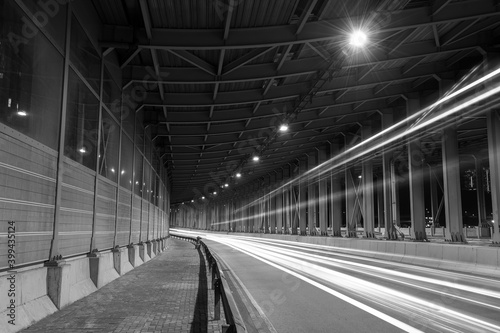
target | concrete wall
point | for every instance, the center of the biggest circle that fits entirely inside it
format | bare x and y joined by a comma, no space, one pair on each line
458,257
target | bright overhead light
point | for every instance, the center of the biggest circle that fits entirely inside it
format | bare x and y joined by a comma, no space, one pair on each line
358,38
202,198
283,128
123,171
192,200
112,170
22,113
215,193
82,150
226,185
255,158
238,175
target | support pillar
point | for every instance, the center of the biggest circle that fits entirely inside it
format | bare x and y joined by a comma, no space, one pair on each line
302,197
452,191
367,182
335,194
350,209
387,181
312,196
322,196
493,121
416,169
279,201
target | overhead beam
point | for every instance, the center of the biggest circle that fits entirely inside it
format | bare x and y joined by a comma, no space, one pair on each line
241,61
172,75
305,16
251,38
194,60
229,16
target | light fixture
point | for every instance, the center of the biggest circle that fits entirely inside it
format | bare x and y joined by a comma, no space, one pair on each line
255,158
192,200
112,170
123,171
82,150
215,193
202,198
22,113
238,175
283,128
226,185
360,176
358,38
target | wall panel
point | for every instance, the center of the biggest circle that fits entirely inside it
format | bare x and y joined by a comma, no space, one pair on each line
77,208
123,219
105,214
27,196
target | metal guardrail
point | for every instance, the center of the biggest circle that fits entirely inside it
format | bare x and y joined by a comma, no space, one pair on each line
221,291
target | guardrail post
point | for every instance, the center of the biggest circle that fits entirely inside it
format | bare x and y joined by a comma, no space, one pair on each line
217,299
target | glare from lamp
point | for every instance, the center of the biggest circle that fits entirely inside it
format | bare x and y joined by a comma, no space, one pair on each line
22,113
283,128
255,158
82,150
238,175
358,38
226,185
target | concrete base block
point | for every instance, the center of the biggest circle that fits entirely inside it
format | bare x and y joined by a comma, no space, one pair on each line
142,252
102,269
30,298
58,283
120,260
134,255
150,251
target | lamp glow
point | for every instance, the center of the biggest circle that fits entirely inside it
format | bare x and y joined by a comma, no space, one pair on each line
255,158
238,175
284,128
82,150
22,113
358,38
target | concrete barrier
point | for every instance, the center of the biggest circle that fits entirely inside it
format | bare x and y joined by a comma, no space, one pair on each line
458,257
31,302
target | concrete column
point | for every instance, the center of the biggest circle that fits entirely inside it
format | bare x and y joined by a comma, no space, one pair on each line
302,197
287,206
350,197
335,193
322,195
434,200
493,121
416,168
452,191
367,183
481,204
312,196
279,201
387,181
380,204
272,203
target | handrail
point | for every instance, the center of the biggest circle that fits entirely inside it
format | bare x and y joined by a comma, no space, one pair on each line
233,319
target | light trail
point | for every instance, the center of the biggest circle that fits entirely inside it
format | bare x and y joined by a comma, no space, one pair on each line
411,298
350,155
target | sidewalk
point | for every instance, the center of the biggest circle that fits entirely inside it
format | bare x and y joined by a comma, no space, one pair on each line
167,294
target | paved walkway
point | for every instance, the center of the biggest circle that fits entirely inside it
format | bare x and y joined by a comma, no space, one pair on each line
167,294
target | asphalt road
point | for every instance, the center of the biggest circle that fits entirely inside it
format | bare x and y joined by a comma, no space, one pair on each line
294,287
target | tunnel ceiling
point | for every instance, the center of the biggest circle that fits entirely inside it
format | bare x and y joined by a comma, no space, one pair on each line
221,75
